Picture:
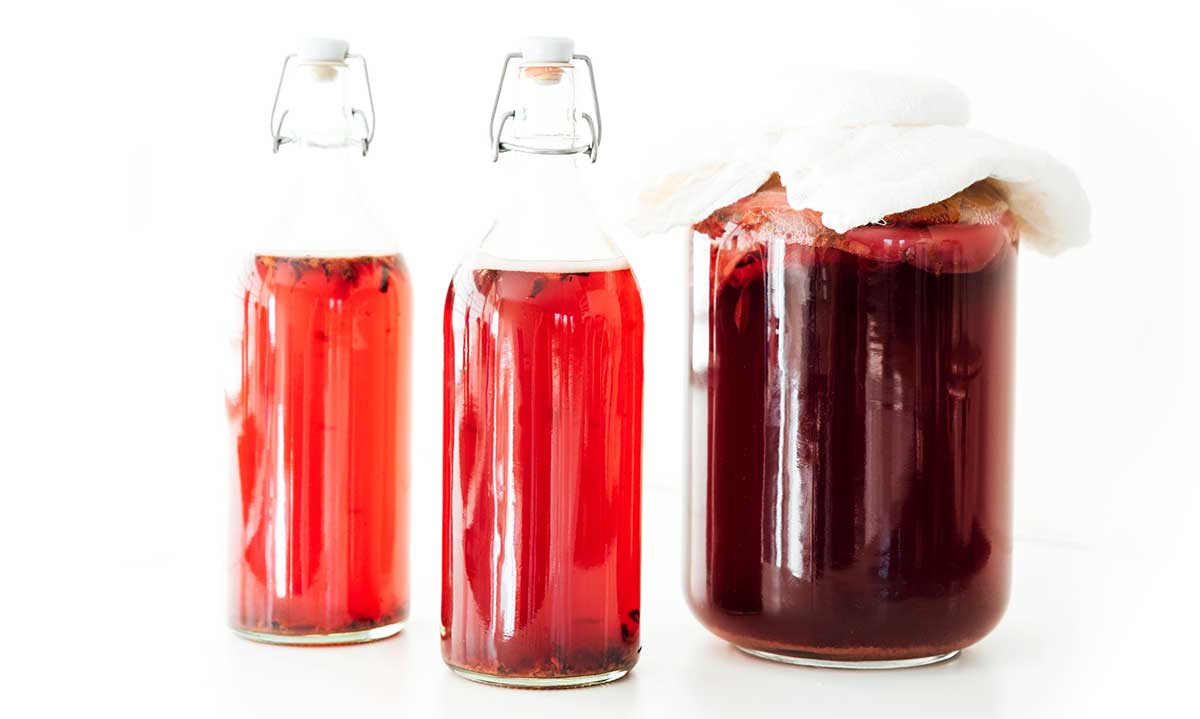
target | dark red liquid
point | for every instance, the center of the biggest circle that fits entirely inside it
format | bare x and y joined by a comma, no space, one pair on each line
858,459
541,542
321,425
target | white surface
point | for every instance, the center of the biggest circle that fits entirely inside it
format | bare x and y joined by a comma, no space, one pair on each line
132,172
1079,640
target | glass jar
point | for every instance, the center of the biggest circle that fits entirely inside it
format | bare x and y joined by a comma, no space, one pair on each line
851,412
320,417
541,543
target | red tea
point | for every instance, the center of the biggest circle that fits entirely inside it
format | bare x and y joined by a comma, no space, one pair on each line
859,431
321,426
541,520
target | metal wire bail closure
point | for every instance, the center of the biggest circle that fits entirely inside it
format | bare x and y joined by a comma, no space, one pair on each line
277,137
495,134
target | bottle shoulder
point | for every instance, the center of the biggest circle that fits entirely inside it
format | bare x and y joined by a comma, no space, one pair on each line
539,243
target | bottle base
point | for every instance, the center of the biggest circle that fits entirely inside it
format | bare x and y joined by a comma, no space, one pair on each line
587,680
357,637
806,661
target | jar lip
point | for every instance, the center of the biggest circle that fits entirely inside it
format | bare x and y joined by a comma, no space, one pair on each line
982,203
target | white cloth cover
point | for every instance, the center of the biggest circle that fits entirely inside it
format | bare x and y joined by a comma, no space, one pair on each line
870,146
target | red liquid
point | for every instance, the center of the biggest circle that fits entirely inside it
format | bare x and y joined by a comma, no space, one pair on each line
859,438
541,543
321,423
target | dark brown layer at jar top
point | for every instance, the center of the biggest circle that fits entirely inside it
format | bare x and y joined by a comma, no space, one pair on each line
857,470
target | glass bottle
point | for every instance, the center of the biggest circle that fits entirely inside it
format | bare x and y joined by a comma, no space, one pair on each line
851,409
320,420
543,398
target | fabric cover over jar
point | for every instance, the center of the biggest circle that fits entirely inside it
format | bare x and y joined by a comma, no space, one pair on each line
865,146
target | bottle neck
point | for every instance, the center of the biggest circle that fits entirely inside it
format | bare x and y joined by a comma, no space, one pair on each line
319,170
545,115
319,113
545,216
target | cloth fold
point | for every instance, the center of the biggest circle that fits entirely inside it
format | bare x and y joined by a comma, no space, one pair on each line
875,145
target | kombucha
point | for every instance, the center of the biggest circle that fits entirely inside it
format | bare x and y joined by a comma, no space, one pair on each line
542,469
857,413
321,431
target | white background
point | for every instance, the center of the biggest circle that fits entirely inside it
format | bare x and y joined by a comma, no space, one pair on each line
134,172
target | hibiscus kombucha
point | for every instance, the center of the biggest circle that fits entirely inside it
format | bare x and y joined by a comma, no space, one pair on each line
322,450
854,423
542,470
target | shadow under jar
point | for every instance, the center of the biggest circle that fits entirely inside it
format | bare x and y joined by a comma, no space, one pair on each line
851,411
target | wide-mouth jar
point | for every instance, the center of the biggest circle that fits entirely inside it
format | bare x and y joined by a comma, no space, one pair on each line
851,424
